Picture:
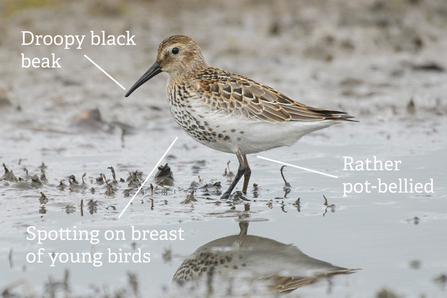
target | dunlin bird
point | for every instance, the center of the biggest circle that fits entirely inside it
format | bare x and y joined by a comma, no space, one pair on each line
229,112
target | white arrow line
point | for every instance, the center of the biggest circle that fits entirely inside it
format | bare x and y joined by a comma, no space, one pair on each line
290,165
150,174
104,72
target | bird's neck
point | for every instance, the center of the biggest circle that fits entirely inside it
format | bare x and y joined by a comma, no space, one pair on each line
187,73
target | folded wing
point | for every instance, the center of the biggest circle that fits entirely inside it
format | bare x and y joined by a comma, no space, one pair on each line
231,92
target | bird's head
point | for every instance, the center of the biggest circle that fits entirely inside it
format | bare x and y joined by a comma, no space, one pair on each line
177,55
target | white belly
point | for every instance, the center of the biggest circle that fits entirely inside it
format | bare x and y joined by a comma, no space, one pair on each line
232,132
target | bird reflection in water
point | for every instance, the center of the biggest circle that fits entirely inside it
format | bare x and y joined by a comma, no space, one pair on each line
241,264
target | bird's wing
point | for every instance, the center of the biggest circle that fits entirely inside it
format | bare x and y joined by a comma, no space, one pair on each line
227,91
287,284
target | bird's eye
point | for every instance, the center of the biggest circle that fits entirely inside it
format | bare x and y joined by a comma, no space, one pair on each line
175,51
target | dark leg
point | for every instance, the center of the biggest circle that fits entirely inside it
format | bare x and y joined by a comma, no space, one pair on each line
243,225
242,170
246,175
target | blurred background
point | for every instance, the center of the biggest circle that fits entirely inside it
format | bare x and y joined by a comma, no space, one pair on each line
373,58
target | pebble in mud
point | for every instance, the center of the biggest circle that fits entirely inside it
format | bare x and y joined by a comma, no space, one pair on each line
89,120
164,176
5,98
8,175
43,199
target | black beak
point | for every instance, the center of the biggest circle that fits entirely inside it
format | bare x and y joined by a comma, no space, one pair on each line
152,72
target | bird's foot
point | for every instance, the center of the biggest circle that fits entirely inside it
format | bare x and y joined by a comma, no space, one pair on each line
226,195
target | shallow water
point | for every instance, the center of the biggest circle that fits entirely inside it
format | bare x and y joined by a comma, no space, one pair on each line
397,240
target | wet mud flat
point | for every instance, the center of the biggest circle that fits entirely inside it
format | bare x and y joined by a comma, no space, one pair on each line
75,151
289,207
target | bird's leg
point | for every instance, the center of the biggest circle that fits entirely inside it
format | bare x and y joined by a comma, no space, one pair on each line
243,225
242,170
246,175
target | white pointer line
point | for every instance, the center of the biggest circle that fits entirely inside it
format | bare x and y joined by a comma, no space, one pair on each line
104,72
150,174
290,165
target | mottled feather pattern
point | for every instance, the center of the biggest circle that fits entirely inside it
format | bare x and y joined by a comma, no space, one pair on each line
230,92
